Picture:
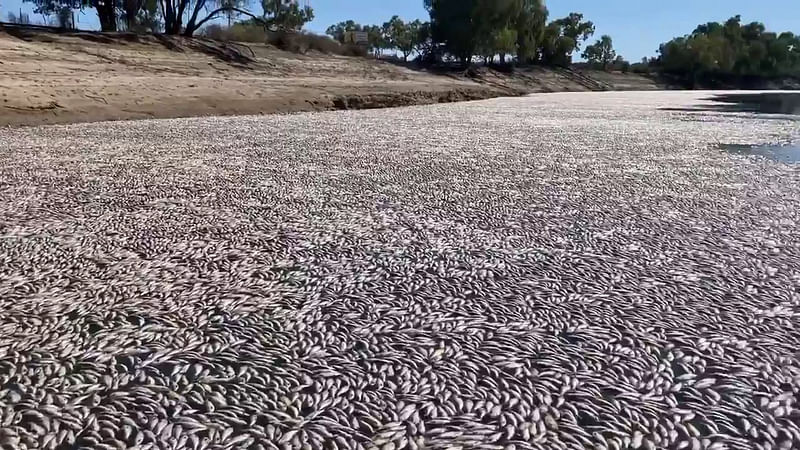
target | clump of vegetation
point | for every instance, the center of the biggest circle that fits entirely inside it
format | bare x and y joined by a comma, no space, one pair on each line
289,40
175,17
302,42
396,34
730,51
495,30
601,53
237,32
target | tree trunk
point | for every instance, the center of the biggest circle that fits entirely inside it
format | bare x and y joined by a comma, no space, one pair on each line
172,24
132,8
173,18
502,58
107,15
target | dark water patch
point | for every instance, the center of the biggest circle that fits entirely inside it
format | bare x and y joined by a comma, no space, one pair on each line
767,102
779,153
761,102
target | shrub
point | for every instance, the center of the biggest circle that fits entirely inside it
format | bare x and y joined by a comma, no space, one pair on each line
354,50
290,41
303,42
238,32
641,68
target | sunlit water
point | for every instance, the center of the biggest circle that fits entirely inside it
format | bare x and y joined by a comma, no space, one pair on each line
779,153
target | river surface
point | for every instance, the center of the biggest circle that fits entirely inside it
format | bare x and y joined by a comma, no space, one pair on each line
779,153
764,104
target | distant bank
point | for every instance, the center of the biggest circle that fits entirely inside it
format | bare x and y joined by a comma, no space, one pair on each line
50,78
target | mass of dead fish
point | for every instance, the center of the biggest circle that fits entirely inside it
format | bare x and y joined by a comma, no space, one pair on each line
562,271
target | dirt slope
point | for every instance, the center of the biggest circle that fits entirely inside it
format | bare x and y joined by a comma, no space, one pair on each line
47,77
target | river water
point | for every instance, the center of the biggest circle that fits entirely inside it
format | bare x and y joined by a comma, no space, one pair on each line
784,103
779,153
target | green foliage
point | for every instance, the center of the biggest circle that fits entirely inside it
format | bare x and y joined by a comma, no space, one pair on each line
106,10
377,38
494,22
563,37
424,44
576,29
405,37
622,65
645,66
376,35
500,27
601,53
338,31
402,36
530,26
457,24
731,51
147,15
286,14
49,7
556,48
505,42
463,29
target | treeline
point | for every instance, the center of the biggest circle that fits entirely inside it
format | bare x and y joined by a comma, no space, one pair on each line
492,30
396,34
730,52
173,16
498,31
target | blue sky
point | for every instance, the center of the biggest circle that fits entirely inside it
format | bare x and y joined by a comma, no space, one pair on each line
636,26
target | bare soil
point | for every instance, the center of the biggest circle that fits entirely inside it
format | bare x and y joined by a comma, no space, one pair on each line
48,77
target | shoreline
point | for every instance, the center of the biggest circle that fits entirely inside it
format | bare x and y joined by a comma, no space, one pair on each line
63,78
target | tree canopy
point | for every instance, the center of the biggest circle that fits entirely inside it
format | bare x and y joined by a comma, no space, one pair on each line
530,26
286,14
496,28
601,53
731,51
107,10
339,30
456,25
401,35
574,27
179,16
395,34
